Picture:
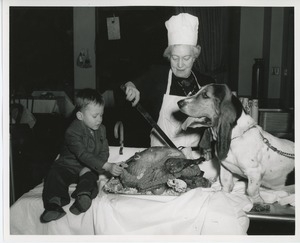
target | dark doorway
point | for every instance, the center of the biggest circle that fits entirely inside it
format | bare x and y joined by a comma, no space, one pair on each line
41,49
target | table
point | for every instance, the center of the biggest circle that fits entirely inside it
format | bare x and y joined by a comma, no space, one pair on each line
36,103
280,220
200,211
277,213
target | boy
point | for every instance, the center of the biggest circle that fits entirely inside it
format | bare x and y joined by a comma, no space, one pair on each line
83,157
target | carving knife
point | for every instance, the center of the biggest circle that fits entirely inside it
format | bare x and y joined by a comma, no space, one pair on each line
153,124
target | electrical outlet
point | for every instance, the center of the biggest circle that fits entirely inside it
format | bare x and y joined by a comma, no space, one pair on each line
276,71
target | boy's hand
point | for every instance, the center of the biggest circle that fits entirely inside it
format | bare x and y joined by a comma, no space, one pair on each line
114,168
122,164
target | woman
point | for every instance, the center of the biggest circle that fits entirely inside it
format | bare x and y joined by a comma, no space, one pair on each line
162,87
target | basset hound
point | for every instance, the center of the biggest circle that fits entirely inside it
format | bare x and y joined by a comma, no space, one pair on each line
242,147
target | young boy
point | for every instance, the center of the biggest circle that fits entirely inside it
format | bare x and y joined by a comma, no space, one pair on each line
83,157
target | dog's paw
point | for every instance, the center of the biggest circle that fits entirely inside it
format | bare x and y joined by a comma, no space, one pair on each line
227,189
257,199
260,207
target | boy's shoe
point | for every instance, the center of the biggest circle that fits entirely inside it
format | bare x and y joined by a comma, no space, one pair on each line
53,212
82,203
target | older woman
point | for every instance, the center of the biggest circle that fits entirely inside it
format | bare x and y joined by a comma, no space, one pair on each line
161,87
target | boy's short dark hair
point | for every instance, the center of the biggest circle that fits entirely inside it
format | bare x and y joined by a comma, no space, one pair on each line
87,96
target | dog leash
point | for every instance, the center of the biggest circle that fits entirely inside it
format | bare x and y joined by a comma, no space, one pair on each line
266,141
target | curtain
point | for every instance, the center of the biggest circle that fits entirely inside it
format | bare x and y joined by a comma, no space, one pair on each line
212,37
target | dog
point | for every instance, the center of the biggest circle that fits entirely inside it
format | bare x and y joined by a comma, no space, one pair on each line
242,147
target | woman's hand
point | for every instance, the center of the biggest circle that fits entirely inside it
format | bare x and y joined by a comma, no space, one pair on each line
132,93
115,169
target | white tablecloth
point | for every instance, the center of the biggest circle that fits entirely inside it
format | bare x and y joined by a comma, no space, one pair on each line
64,105
199,211
40,105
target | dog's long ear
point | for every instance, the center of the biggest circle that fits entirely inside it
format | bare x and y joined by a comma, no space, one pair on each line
238,106
226,122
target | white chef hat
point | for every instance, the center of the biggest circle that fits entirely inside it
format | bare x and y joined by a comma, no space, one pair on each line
182,29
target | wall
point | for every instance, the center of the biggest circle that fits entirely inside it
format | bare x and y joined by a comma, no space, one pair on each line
251,46
275,52
84,38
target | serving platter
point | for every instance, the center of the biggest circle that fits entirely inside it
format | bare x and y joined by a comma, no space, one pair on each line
115,186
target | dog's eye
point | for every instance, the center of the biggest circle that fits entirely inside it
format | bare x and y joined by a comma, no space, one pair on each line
204,95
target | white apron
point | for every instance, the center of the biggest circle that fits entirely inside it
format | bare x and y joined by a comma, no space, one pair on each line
170,125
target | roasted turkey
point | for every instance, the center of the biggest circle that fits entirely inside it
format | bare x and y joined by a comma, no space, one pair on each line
153,167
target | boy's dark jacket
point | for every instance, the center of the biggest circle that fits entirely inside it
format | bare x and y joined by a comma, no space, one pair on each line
82,149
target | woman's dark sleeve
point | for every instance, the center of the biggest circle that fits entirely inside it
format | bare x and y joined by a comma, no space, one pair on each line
205,79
